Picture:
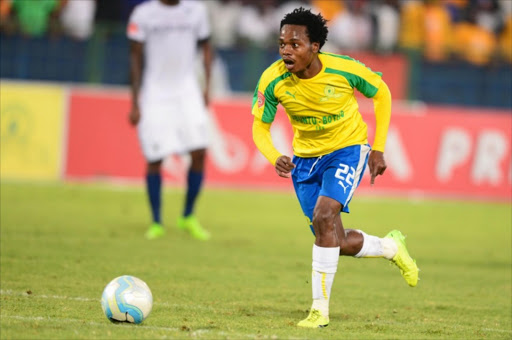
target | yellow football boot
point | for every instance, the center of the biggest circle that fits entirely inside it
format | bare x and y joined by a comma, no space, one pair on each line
403,260
315,319
156,230
193,227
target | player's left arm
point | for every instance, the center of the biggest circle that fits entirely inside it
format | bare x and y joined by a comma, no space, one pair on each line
382,107
207,63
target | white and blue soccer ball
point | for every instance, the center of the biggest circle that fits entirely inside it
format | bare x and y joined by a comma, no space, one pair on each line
127,299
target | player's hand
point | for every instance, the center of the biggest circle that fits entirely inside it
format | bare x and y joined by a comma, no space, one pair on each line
134,115
283,166
377,164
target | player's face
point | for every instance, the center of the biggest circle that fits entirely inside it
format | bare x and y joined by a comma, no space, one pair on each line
296,50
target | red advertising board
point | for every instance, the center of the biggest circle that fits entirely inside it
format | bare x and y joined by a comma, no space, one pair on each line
101,143
438,151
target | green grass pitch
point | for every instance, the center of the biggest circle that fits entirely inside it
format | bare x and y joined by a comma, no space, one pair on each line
62,243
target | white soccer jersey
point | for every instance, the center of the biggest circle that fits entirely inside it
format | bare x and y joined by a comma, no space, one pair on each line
173,114
170,35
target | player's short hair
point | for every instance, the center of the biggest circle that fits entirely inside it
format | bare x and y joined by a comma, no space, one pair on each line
315,24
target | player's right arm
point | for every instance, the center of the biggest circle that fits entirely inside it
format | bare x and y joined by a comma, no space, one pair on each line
136,33
263,140
136,50
264,108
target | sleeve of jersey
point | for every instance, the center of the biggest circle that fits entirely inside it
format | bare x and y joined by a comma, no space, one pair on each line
135,30
382,107
204,31
263,140
264,102
365,80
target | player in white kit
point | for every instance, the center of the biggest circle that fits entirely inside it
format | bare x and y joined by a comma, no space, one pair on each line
168,104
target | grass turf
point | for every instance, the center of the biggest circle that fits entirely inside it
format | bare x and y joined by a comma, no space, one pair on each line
62,243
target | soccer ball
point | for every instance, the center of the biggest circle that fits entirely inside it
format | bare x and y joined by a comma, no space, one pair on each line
127,299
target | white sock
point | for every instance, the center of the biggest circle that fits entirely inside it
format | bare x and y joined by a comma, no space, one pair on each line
322,305
325,264
374,246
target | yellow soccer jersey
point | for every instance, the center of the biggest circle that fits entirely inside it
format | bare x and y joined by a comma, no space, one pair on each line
323,110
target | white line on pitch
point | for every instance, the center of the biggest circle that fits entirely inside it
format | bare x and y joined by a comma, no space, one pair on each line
78,298
165,304
91,323
96,324
12,293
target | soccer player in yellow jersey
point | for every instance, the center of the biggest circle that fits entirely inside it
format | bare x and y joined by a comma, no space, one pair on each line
330,147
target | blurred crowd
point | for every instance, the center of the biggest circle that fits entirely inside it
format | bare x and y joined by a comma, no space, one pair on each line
477,31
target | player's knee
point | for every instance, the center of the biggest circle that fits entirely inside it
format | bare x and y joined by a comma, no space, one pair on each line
352,242
154,167
198,160
344,245
323,222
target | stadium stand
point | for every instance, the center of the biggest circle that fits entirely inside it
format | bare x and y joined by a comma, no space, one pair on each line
444,65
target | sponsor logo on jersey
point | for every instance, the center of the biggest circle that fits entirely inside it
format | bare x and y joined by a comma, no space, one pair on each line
291,94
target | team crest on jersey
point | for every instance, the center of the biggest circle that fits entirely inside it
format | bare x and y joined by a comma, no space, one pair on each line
261,99
330,92
133,28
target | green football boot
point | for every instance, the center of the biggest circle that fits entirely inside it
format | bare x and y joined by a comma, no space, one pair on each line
156,230
403,260
315,319
193,227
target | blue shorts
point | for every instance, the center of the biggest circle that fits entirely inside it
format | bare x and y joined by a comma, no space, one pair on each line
335,175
